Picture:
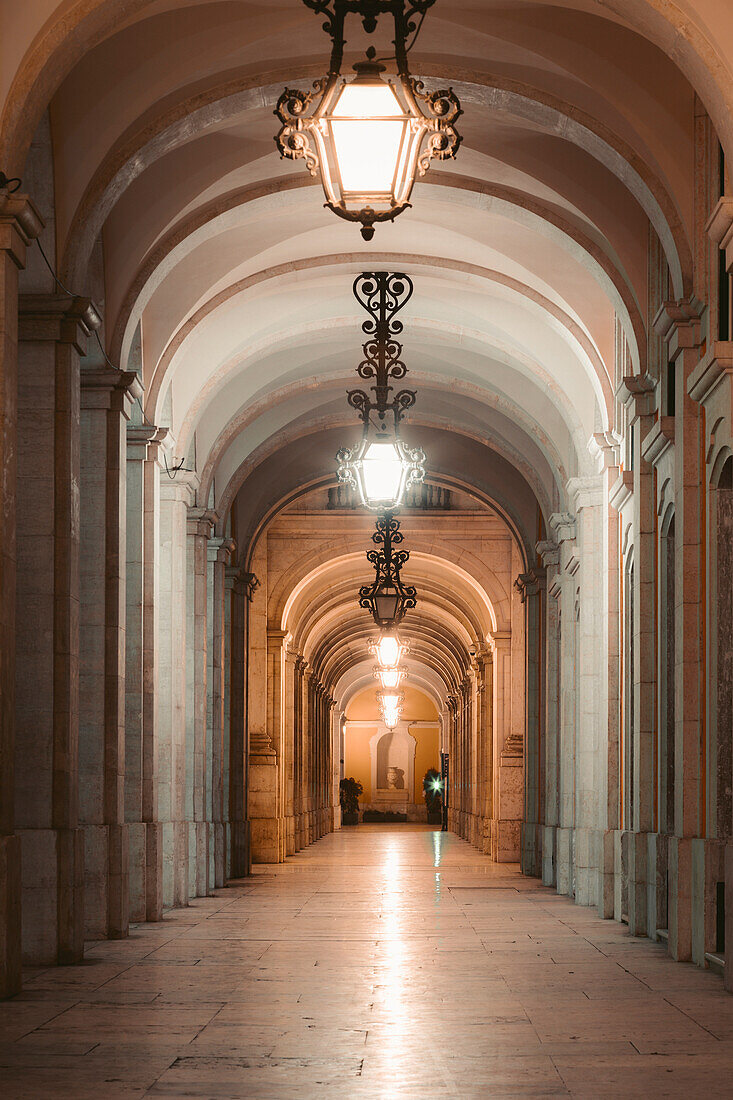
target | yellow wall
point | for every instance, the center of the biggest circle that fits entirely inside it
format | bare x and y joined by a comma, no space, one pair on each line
418,707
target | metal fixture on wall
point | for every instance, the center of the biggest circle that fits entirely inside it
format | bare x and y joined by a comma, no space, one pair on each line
368,135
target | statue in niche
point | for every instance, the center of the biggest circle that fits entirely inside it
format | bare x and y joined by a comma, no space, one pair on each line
391,762
395,779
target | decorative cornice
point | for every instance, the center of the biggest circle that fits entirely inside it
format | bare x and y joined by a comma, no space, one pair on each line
529,584
719,228
605,446
20,223
621,490
201,522
144,440
549,552
679,324
562,526
220,550
710,371
637,393
658,440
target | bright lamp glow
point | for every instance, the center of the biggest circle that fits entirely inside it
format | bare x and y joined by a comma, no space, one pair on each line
390,677
382,471
389,650
368,128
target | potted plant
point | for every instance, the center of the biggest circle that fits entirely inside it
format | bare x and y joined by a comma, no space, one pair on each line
349,791
432,786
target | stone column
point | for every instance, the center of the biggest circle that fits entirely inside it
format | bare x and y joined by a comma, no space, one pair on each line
238,590
141,672
219,552
291,661
508,757
549,553
637,394
679,325
562,525
299,772
20,224
106,399
199,527
531,588
484,746
53,332
175,497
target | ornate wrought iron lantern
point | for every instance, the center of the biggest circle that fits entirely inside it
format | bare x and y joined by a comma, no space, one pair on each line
387,597
368,135
381,466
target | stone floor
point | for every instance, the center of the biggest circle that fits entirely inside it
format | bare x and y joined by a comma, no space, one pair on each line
384,961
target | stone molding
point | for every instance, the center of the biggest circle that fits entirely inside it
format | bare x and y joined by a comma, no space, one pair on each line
606,447
57,318
678,323
719,227
20,223
143,441
621,490
638,394
563,526
529,584
108,388
220,550
201,522
586,492
549,552
658,440
711,370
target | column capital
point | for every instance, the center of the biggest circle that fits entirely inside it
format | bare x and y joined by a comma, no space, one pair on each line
500,640
638,394
143,441
719,228
549,552
276,638
20,223
108,388
200,521
220,550
174,490
678,323
57,318
529,584
586,492
606,448
562,526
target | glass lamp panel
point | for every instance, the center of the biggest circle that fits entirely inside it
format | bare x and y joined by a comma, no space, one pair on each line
390,677
382,473
367,99
367,152
388,651
386,606
391,720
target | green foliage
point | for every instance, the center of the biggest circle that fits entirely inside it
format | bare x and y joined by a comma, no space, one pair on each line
349,791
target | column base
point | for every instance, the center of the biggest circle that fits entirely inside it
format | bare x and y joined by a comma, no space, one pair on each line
241,864
10,915
549,856
708,869
531,849
680,898
220,855
52,896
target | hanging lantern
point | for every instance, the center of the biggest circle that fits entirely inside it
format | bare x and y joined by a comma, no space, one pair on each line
368,135
381,467
387,597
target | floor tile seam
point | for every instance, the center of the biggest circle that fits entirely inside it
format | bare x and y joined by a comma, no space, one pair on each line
692,1019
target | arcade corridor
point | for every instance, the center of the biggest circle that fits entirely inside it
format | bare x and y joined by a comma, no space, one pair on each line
380,962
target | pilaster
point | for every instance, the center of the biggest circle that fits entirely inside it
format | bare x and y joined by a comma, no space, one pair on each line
20,224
